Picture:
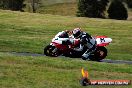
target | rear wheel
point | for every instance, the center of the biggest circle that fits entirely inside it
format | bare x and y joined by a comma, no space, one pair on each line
101,53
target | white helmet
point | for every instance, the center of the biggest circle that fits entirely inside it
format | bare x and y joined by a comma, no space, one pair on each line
77,32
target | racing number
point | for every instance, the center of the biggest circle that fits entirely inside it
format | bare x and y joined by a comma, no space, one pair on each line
102,39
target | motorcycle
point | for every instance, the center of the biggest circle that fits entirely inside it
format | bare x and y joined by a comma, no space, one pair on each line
56,48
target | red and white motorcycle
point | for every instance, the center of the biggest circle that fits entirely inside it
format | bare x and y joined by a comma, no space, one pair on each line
56,48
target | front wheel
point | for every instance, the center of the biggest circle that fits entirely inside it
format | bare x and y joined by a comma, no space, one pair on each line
50,50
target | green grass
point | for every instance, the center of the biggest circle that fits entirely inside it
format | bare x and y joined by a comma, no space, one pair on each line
47,72
25,32
64,9
51,2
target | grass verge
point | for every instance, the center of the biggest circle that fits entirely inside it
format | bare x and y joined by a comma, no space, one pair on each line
47,72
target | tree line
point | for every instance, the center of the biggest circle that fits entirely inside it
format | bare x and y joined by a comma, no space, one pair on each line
116,9
12,4
18,5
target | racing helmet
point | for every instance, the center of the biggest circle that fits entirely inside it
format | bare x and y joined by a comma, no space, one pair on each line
77,32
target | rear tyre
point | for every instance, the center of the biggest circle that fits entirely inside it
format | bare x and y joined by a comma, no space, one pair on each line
101,53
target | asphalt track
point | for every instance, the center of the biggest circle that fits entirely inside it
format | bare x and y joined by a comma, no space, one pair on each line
105,60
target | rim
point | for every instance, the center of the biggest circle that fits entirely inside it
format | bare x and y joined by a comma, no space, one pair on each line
56,53
101,53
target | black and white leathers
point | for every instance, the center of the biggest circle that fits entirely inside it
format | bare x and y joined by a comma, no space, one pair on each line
89,42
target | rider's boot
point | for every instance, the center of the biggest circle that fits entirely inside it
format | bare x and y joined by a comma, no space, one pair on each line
85,56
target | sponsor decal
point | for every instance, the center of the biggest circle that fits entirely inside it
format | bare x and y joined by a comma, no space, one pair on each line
85,81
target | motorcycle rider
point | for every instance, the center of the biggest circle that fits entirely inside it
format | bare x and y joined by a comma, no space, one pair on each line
63,37
86,40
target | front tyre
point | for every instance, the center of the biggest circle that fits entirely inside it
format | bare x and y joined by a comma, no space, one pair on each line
47,50
50,50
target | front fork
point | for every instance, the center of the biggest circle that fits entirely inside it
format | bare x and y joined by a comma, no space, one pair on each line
55,49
